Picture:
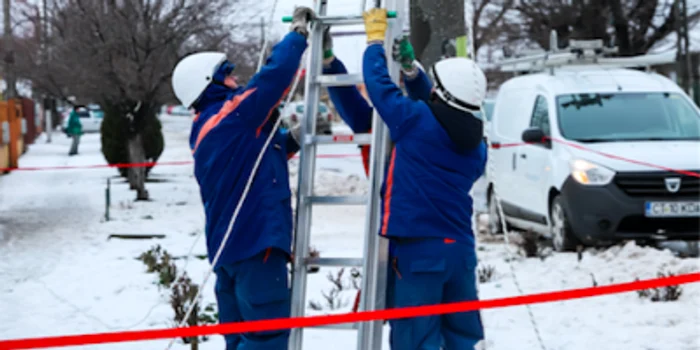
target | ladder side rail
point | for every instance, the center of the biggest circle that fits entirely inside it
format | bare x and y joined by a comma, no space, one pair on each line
376,260
307,167
370,298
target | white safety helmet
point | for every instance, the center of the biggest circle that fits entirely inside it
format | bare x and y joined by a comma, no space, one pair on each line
460,83
193,74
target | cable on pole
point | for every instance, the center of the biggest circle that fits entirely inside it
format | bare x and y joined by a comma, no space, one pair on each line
472,55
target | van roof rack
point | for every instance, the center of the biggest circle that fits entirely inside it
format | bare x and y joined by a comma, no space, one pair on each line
581,54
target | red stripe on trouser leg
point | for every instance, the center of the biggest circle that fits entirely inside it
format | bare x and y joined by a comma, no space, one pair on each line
389,188
267,254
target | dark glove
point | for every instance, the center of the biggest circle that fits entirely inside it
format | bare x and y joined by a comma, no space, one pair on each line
300,20
327,43
402,52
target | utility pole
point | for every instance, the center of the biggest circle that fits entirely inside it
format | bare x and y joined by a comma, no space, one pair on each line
438,29
10,78
683,45
48,118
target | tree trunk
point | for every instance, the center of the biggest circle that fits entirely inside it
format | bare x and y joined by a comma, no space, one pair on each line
137,175
435,27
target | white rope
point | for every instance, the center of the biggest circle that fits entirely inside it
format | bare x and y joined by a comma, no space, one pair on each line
506,233
263,52
266,40
77,309
239,206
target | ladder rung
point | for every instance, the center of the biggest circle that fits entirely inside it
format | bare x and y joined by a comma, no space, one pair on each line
338,200
355,139
358,33
342,20
342,326
336,20
334,262
340,79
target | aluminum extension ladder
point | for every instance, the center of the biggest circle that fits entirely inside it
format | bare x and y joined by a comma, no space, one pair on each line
375,253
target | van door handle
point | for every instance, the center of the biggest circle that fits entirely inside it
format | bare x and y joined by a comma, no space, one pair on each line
523,156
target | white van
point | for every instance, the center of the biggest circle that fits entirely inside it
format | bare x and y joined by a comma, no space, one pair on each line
558,143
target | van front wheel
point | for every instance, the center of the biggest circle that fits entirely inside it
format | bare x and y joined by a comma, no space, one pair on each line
563,237
495,223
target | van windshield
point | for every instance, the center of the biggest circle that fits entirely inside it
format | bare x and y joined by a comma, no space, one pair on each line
614,117
488,109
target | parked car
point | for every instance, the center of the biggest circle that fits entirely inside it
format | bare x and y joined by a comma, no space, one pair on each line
487,109
570,182
178,111
293,115
91,118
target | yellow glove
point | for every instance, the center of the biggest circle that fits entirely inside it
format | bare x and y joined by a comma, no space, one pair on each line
375,24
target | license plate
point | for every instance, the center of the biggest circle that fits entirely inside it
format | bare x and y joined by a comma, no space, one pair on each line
672,209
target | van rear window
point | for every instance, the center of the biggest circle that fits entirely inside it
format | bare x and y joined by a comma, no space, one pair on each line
609,117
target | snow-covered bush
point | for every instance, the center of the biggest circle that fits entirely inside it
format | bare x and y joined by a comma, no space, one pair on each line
333,298
182,297
668,293
529,244
485,273
161,262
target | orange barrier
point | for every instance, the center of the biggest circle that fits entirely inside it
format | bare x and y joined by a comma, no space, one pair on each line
12,129
15,122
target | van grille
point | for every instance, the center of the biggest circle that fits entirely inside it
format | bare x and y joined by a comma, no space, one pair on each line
641,224
652,184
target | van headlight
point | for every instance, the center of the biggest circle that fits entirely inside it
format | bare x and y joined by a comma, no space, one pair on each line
587,173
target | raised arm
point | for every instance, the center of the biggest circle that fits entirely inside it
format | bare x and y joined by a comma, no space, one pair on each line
418,85
268,86
416,81
398,111
351,105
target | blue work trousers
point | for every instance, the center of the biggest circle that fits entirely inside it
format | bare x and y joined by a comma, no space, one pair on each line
251,290
429,272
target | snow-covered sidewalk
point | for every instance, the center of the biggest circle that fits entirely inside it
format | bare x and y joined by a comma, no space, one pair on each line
60,274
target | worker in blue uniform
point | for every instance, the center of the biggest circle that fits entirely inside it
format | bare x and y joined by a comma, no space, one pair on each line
438,155
231,126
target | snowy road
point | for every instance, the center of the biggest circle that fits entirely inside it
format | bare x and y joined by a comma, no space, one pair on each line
59,273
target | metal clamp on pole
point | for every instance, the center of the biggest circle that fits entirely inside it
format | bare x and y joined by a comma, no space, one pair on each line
340,20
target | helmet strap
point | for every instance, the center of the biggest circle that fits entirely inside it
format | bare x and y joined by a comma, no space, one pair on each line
451,100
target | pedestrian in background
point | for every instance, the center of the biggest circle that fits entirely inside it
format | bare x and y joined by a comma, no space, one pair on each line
74,130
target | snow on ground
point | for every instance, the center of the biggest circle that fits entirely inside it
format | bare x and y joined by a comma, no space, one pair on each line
60,274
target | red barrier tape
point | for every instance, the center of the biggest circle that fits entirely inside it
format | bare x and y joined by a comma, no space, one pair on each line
612,156
96,166
607,155
143,165
336,156
312,321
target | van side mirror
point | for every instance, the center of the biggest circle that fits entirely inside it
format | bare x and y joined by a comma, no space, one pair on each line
536,136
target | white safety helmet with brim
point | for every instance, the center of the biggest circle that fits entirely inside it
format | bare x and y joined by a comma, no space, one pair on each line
460,83
193,74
